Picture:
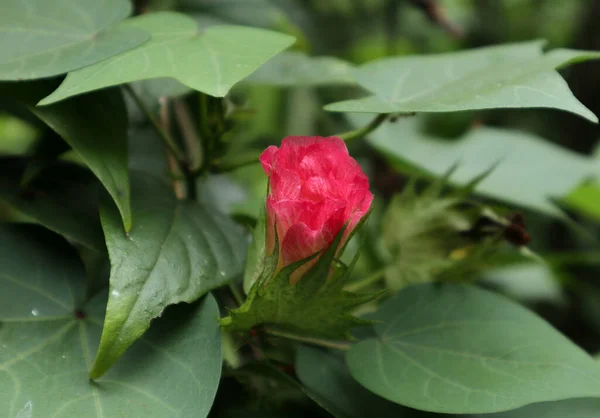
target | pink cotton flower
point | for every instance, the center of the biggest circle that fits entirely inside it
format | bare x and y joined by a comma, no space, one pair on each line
315,188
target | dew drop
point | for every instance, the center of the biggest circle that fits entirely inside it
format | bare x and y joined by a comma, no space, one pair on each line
115,293
35,312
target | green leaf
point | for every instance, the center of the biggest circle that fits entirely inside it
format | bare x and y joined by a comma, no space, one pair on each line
519,161
210,60
506,76
256,251
527,282
46,349
175,252
42,38
295,68
459,349
244,12
62,208
572,408
317,305
95,126
259,13
585,199
326,376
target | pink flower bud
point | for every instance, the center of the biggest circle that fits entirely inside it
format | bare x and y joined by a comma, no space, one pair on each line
315,188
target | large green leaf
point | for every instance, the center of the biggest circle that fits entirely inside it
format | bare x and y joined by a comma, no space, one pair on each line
63,207
458,349
95,126
506,76
41,38
295,68
326,376
572,408
266,14
210,60
46,347
175,252
527,171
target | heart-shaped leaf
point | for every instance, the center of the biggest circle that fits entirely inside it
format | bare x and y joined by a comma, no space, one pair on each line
175,252
459,349
326,376
506,76
518,161
95,126
48,337
41,38
210,60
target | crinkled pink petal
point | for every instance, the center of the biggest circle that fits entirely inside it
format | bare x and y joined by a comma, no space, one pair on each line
285,184
301,241
268,158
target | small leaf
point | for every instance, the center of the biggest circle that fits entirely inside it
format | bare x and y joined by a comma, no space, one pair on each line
175,252
48,339
95,126
315,306
42,38
506,76
295,68
458,349
210,60
326,376
572,408
518,161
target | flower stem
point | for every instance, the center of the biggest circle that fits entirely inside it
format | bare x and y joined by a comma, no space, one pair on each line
164,136
369,280
338,345
237,295
189,134
177,154
365,130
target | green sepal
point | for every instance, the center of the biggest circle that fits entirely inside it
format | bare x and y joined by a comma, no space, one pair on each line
316,306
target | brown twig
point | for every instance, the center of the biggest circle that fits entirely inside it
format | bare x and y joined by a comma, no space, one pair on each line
437,15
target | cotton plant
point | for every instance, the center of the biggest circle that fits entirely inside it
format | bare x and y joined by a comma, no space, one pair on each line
186,230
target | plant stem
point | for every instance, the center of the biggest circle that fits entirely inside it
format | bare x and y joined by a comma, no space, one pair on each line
164,120
190,136
237,295
164,136
174,151
365,130
339,345
369,280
